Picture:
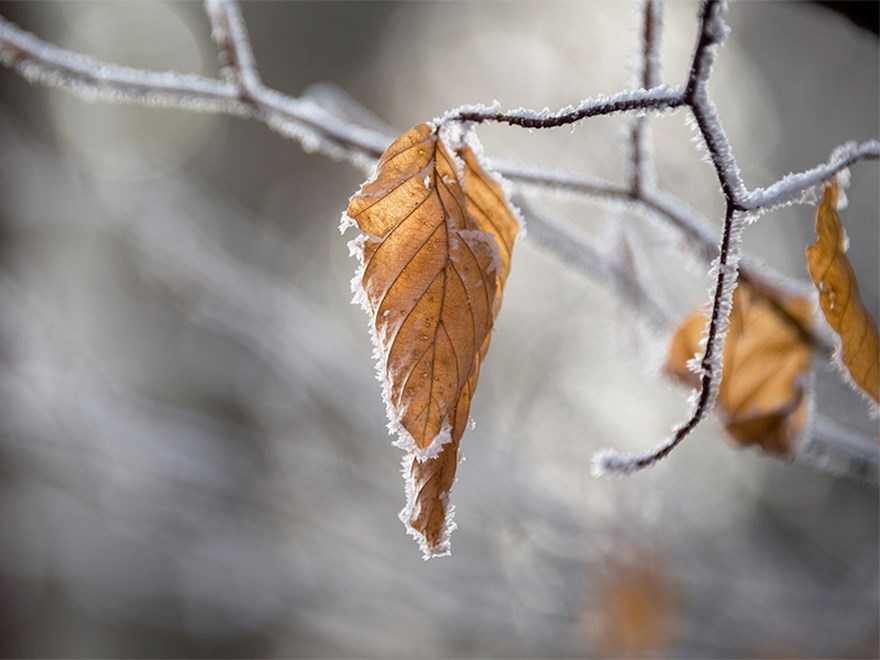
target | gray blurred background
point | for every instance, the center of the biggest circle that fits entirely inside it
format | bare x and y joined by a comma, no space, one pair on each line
193,460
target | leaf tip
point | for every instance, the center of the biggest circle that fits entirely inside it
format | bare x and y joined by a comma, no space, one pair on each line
436,543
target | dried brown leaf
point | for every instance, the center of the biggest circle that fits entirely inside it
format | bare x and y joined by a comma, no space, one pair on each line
636,610
763,398
840,300
438,236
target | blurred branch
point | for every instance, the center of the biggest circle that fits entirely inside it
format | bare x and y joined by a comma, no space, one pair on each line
834,448
600,264
235,52
46,64
641,162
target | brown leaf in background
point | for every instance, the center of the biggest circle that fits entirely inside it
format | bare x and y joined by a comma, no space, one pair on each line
636,609
763,397
840,300
436,252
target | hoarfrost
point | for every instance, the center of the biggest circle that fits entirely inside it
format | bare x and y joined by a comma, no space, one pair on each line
453,115
804,187
718,147
451,134
656,98
345,222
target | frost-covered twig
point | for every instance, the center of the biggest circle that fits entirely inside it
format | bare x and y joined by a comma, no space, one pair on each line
700,234
713,30
795,188
651,27
656,99
45,64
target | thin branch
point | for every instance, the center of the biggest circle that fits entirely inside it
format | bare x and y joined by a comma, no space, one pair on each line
641,169
702,236
712,33
233,44
656,99
43,63
651,28
794,188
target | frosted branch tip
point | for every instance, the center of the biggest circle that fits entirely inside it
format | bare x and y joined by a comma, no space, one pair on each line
608,462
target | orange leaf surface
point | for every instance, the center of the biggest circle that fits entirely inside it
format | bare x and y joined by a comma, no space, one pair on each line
637,609
840,300
763,398
435,252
